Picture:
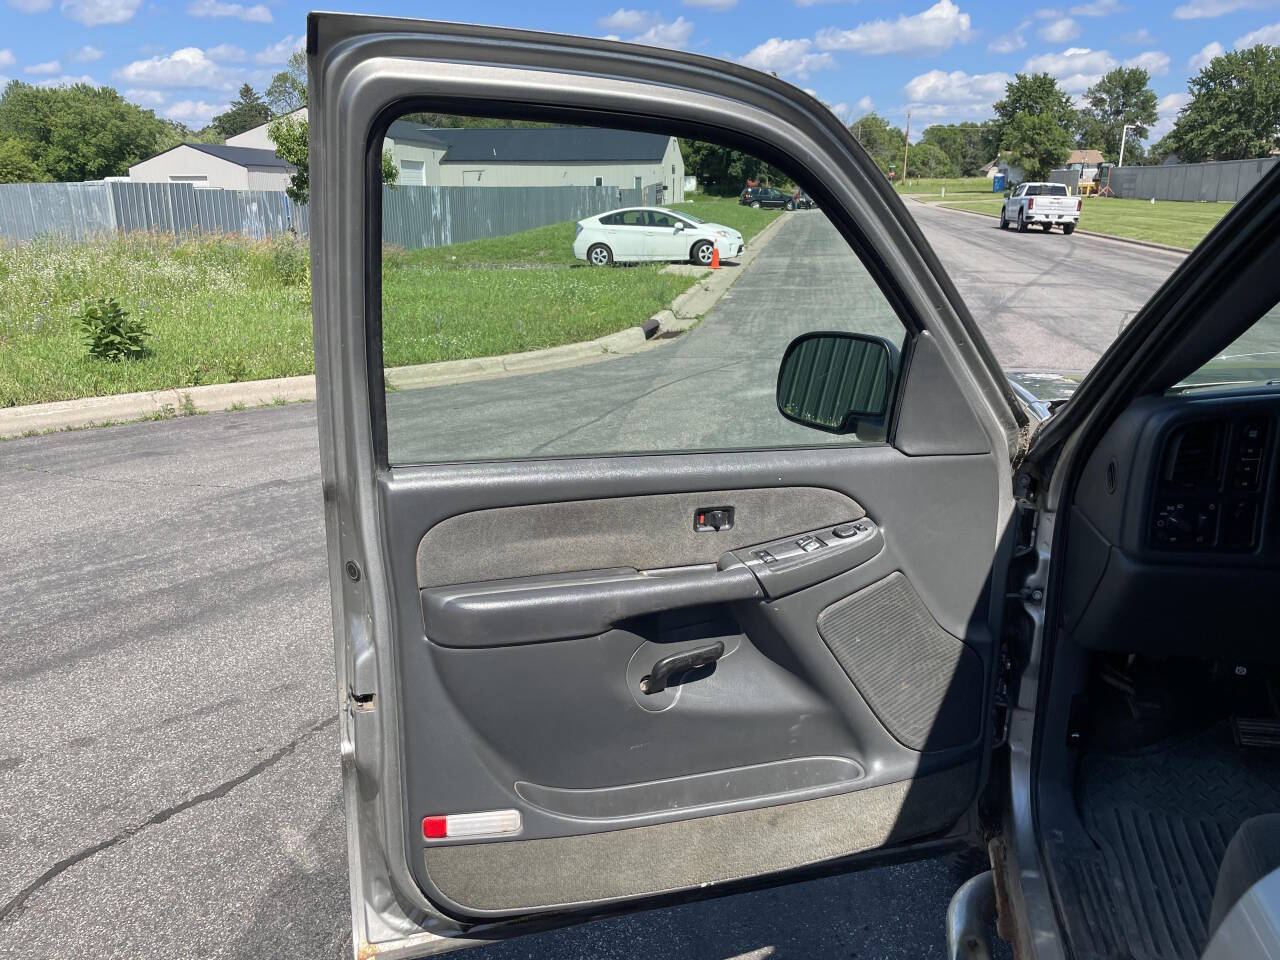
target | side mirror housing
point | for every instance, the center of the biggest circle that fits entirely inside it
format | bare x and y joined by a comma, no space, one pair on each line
679,225
1006,194
837,381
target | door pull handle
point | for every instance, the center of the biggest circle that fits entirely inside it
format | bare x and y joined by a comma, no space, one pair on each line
668,667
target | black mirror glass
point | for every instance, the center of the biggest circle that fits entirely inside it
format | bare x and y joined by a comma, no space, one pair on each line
832,381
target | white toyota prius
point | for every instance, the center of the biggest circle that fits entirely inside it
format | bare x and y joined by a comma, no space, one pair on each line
653,233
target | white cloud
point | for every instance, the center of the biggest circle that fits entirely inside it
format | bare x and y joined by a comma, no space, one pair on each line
1098,8
280,51
1139,36
788,58
1166,112
814,3
226,52
930,31
1077,68
1207,52
938,86
31,6
53,66
842,111
188,67
258,13
66,81
1011,41
675,34
1155,62
1059,31
1269,34
1203,9
624,20
145,98
194,113
719,5
87,54
866,105
95,13
7,58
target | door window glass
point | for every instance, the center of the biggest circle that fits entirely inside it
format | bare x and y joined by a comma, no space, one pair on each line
521,319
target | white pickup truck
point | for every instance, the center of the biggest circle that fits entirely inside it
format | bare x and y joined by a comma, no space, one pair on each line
1042,203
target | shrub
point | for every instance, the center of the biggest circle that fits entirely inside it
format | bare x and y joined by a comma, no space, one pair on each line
109,333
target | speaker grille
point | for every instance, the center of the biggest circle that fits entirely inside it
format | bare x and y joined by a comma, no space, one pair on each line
923,684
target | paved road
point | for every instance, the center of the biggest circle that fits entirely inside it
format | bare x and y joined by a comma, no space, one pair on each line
1044,301
168,757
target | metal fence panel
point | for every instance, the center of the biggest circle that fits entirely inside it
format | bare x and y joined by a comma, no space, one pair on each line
438,216
75,211
1217,181
412,216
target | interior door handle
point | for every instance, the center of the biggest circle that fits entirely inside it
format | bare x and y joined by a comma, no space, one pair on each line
668,667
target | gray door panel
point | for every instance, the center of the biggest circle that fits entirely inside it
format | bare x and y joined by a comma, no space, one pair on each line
559,730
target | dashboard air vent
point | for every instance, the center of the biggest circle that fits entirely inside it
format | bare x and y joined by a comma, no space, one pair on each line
1193,456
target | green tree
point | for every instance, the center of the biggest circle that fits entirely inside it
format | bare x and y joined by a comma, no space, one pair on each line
1034,123
245,112
1036,144
1234,111
79,132
16,165
1036,94
928,160
290,135
961,142
723,170
881,140
287,91
1122,97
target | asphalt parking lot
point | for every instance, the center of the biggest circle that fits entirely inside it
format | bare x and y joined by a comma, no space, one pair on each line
169,757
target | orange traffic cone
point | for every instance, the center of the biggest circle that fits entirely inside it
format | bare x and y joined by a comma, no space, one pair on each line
715,258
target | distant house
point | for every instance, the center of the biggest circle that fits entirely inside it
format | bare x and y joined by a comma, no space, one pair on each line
536,157
256,137
1011,175
215,165
1086,162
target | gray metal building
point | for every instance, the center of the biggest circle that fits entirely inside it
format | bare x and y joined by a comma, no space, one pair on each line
215,165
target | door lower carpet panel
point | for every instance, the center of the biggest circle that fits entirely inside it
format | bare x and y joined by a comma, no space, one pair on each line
665,857
1161,820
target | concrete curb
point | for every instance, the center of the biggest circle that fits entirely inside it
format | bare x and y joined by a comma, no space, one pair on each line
684,312
1162,247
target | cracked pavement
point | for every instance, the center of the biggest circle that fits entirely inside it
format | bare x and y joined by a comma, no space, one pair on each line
169,754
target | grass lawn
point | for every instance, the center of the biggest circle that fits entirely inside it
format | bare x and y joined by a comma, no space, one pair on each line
1168,222
224,309
932,188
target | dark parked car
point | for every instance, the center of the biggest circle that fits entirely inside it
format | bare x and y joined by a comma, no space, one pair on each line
802,201
765,197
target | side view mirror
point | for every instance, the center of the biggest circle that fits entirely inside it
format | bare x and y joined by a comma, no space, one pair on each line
1006,194
679,226
831,381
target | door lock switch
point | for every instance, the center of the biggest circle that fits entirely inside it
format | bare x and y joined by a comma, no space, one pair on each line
713,519
809,544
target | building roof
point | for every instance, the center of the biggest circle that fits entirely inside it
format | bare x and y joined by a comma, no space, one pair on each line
1085,156
300,114
242,156
535,144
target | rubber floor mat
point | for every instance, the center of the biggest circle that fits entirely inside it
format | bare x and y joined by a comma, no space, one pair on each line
1161,820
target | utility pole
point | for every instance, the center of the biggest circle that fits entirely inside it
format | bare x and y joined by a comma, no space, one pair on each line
906,145
1123,134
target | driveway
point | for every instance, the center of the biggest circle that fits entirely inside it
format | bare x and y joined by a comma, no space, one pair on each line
169,757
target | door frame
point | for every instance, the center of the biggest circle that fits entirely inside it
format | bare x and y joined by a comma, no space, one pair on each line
366,70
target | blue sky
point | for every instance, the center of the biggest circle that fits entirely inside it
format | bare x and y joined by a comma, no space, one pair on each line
945,60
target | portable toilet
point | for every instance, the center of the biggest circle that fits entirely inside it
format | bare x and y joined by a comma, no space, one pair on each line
997,183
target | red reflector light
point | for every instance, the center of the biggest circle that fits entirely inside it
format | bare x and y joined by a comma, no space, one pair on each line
1079,204
1031,203
433,828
